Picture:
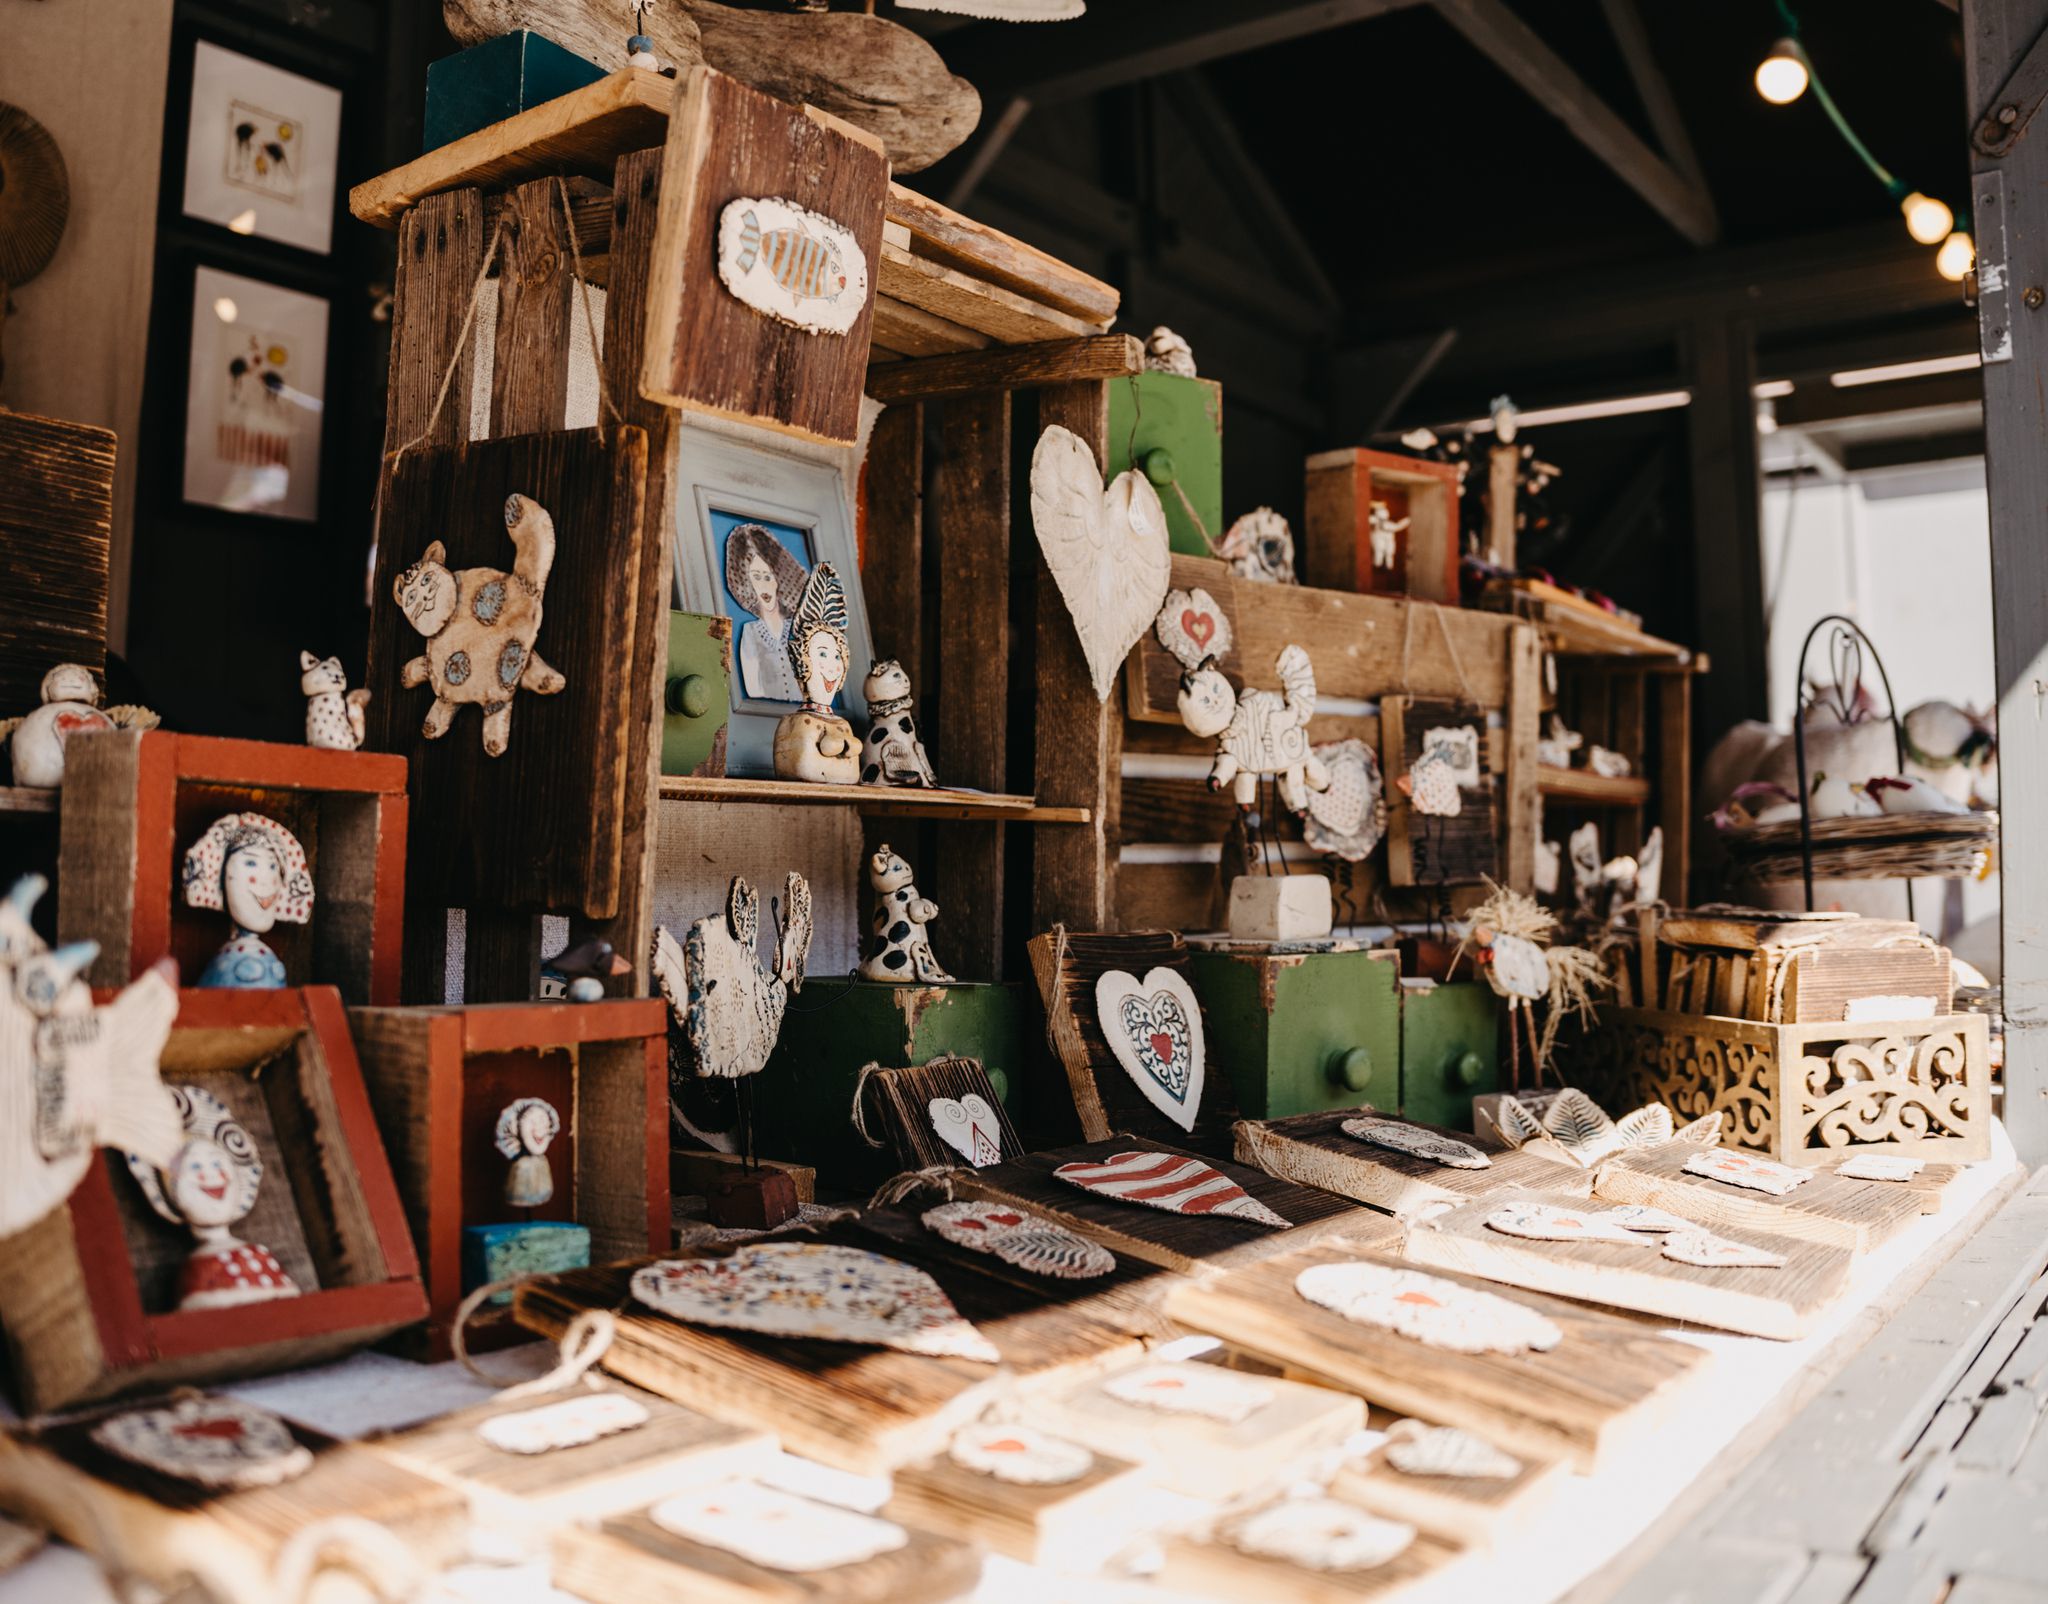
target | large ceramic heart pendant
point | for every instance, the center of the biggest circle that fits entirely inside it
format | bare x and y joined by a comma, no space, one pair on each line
968,1126
776,1530
1433,1311
1169,1181
1192,627
1719,1252
210,1442
1154,1028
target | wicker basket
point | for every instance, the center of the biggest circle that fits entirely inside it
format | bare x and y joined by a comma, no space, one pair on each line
1939,846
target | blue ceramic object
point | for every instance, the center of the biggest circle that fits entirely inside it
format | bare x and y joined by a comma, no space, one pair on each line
245,963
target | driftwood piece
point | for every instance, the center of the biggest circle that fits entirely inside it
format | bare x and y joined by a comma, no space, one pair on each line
869,71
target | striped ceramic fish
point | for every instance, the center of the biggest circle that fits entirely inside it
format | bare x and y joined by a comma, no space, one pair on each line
1169,1181
798,260
799,267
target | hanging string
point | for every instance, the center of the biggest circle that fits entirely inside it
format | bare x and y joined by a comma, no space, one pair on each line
1059,963
935,1177
860,1118
585,1341
1450,646
604,383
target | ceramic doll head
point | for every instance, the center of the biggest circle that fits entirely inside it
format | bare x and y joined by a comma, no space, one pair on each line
817,637
252,868
526,1126
204,1185
1207,703
71,682
886,682
427,592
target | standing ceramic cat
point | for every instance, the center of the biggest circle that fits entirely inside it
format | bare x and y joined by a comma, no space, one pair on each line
334,713
892,754
902,949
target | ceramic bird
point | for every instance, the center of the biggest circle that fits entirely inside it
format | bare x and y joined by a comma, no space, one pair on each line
1756,802
581,971
74,1077
1909,795
1431,784
729,1005
70,706
1842,799
1515,968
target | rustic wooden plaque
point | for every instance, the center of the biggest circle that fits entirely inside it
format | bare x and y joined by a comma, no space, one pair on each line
1780,1302
706,350
1062,1525
540,827
1926,1189
56,524
898,1104
1216,1570
1481,1511
1857,1215
1423,850
1606,1387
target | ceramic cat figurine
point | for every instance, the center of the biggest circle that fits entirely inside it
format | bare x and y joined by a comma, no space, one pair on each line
1259,732
334,713
892,754
814,743
902,948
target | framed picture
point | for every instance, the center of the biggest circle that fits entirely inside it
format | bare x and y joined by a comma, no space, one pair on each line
261,149
254,395
751,524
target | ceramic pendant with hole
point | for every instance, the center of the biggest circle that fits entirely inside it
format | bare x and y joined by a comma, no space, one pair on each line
1718,1252
1402,1137
1418,1450
968,1126
1154,1029
1431,1310
568,1424
1747,1171
1020,1455
1191,1389
1020,1238
1318,1534
792,264
1431,786
1107,549
219,1443
1193,627
1550,1222
776,1530
1169,1181
1880,1167
810,1289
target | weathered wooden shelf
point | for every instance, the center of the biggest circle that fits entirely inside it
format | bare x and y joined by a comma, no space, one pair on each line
895,801
1587,789
27,799
1575,627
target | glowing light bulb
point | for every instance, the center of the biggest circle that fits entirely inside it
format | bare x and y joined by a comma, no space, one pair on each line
1958,254
1927,220
226,310
1781,77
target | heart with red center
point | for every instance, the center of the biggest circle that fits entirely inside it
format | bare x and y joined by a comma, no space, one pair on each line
1154,1030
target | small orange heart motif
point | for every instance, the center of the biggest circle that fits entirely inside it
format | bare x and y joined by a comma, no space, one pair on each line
1200,627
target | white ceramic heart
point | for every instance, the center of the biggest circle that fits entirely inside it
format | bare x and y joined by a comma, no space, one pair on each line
1107,549
1154,1028
968,1126
1192,626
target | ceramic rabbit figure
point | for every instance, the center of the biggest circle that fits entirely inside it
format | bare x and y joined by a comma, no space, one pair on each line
334,713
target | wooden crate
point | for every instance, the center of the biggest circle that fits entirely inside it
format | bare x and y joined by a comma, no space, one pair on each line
87,1294
438,1078
134,801
1804,1094
1336,538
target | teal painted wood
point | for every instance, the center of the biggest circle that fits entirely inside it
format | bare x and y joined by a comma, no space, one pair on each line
1302,1032
529,1247
1450,1050
489,82
1173,429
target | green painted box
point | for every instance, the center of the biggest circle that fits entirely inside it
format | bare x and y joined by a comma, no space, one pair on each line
1172,428
696,705
489,82
1302,1032
1450,1050
803,1100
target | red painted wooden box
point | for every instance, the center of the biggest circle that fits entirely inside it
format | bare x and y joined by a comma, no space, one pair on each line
1419,501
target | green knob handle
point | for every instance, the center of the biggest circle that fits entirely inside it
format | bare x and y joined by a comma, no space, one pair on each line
1352,1070
1001,1082
690,695
1158,466
1467,1070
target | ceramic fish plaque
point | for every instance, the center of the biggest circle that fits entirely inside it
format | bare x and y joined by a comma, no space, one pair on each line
210,1184
1880,1167
1191,1389
219,1443
253,869
1746,1170
791,264
1022,1239
776,1530
1719,1252
1418,1450
1318,1534
526,1126
569,1424
1107,549
1402,1137
1258,732
1347,818
1154,1029
1020,1455
1193,627
970,1127
1433,1311
808,1289
1170,1181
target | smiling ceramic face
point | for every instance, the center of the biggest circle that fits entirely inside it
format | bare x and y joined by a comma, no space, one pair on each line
761,580
253,884
204,1184
825,665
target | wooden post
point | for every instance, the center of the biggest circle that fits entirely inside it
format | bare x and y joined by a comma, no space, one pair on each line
1503,477
1727,516
1674,782
2011,230
1524,820
1080,740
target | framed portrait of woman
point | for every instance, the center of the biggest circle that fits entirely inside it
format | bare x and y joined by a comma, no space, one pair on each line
751,524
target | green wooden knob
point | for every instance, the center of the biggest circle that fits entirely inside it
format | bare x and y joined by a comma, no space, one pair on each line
1352,1070
1001,1083
1158,466
689,695
1467,1070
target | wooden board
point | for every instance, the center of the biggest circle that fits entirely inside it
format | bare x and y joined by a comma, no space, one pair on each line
1601,1392
1754,929
1428,1569
539,827
1423,850
1856,1215
1478,1511
1067,966
633,1561
1172,1241
1823,984
56,524
706,350
1313,1149
1069,1526
1781,1302
898,1104
1018,367
892,801
1926,1189
940,234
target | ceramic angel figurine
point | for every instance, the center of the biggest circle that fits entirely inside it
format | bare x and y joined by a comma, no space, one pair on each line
526,1126
1258,732
70,707
254,869
902,950
212,1183
1510,940
1383,530
814,743
481,624
892,754
334,713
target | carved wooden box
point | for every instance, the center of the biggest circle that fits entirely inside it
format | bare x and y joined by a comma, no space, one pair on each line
1806,1093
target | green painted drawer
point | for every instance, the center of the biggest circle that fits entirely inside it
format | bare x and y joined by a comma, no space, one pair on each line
1450,1050
1173,429
1303,1032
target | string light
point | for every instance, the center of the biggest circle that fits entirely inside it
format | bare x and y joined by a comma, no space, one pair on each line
1958,254
1781,76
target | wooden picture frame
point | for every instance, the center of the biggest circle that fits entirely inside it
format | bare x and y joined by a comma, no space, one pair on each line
723,484
255,387
1425,850
1336,543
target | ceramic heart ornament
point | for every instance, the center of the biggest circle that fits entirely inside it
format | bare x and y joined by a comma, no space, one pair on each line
1431,786
1747,1171
1431,1310
1020,1455
1401,1137
1318,1534
970,1127
810,1289
1175,1388
1020,1238
211,1442
1880,1167
1154,1029
1719,1252
1348,817
1170,1181
1107,549
1418,1450
1192,627
776,1530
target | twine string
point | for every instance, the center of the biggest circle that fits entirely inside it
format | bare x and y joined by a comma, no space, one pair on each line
860,1118
585,1341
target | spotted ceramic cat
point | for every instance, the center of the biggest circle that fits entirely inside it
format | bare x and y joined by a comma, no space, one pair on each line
902,949
334,713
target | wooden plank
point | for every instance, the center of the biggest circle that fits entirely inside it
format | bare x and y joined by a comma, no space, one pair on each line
1782,1302
1856,1215
909,331
1427,850
1584,788
530,360
1313,1149
1823,984
1480,1511
56,530
1429,1566
1062,1525
1007,367
1003,315
1522,824
945,236
904,802
1674,782
1602,1393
